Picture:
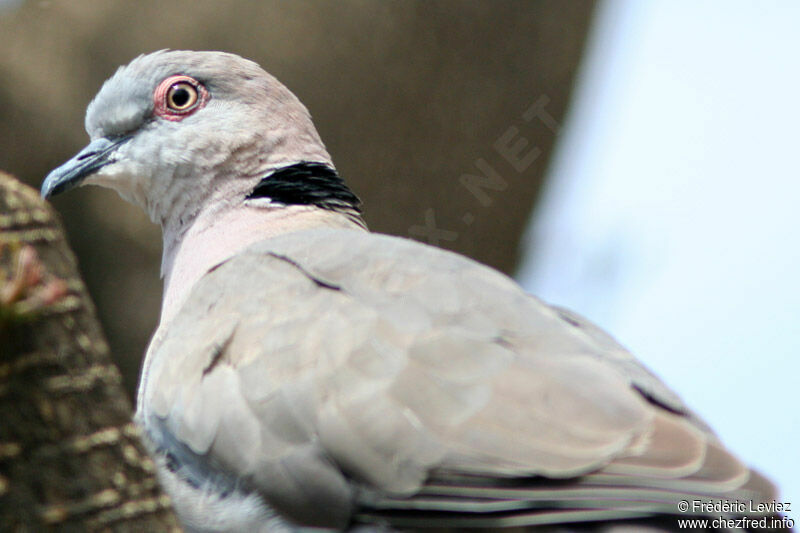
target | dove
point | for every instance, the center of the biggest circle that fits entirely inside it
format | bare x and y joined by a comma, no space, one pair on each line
308,373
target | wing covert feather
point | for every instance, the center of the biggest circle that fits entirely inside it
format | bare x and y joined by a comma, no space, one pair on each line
383,361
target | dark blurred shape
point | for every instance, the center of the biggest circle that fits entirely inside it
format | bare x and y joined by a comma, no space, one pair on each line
440,115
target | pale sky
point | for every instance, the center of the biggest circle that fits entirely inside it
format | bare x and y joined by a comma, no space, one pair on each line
672,216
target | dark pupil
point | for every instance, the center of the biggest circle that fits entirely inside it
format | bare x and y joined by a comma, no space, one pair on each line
180,97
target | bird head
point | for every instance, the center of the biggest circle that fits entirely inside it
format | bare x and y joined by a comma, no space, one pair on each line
174,131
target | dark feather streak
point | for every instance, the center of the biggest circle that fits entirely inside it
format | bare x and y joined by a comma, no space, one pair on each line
308,183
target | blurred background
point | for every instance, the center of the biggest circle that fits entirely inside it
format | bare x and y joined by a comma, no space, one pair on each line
659,134
670,215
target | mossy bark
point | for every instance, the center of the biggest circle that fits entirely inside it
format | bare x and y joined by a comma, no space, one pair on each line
70,456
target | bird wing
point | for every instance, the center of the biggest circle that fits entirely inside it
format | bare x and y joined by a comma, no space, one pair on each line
342,373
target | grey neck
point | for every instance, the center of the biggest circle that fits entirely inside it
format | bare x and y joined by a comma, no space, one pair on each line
214,237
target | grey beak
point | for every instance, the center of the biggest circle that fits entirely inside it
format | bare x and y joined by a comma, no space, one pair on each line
95,156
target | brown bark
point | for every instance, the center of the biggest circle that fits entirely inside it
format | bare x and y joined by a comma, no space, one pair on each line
70,457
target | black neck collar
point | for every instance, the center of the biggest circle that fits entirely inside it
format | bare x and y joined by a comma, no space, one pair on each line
308,183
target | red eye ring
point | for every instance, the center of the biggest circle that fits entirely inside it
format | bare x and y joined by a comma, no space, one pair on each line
164,97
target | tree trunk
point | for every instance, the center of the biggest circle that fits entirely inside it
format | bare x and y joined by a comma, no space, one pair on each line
70,456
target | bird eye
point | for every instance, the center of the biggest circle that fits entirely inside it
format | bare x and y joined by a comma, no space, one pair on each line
181,96
177,97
